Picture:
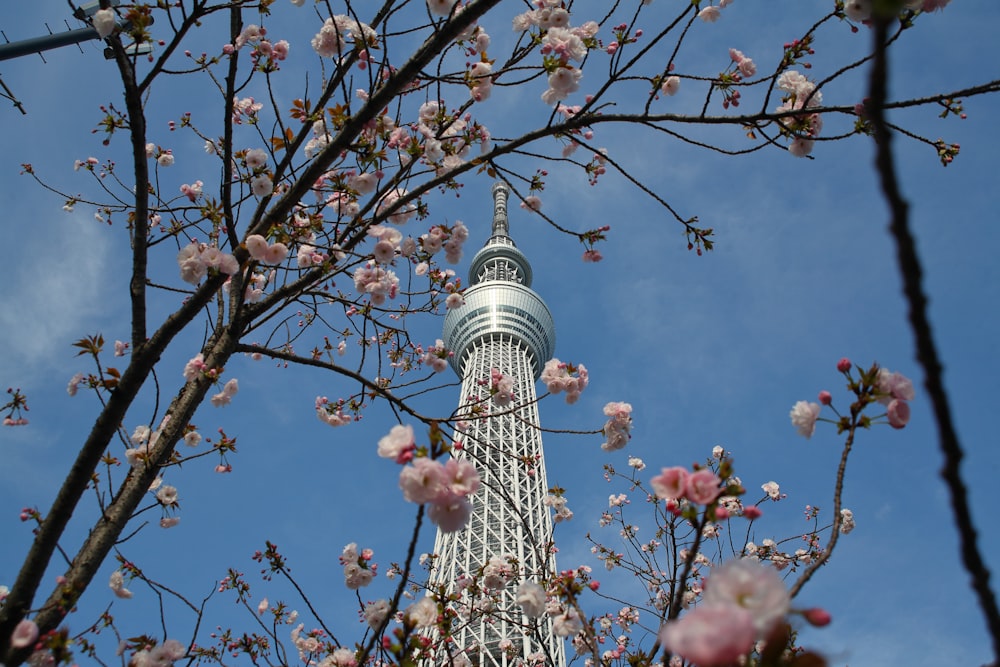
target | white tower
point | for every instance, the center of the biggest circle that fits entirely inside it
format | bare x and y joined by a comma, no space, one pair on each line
503,326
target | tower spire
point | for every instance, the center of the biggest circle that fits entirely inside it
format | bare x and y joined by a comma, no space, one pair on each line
504,327
500,224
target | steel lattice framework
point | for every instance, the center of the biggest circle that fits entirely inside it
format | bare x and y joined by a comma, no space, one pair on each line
503,325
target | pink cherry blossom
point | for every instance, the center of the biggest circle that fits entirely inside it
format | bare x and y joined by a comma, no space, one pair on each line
558,377
531,598
671,483
440,7
858,10
898,413
25,634
194,368
117,584
562,82
461,477
423,481
275,254
262,186
710,635
804,416
225,397
755,587
618,428
702,487
670,85
709,14
893,386
399,439
256,158
192,190
450,513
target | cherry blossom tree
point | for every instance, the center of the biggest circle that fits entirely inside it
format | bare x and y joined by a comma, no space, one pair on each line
305,235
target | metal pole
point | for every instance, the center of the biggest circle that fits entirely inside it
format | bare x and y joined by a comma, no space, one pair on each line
46,43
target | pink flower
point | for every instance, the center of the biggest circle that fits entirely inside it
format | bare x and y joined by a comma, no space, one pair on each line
256,158
257,246
702,487
753,586
671,85
117,584
844,365
440,7
422,482
399,440
194,368
167,495
275,254
225,397
710,14
800,147
450,513
825,397
592,255
893,386
898,413
454,300
24,634
562,82
618,428
531,598
192,191
711,635
169,522
532,203
262,185
804,416
461,477
558,377
671,483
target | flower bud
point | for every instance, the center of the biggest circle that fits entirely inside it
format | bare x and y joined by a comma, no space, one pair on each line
844,365
817,616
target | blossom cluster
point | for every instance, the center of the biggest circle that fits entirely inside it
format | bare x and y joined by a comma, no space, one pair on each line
501,388
264,252
618,428
338,34
701,487
559,377
800,94
436,356
561,44
894,390
358,568
331,413
197,259
377,282
742,601
445,488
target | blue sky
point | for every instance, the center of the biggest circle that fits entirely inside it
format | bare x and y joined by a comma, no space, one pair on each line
709,350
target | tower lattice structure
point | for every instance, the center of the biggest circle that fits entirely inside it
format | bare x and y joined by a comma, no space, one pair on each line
503,326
